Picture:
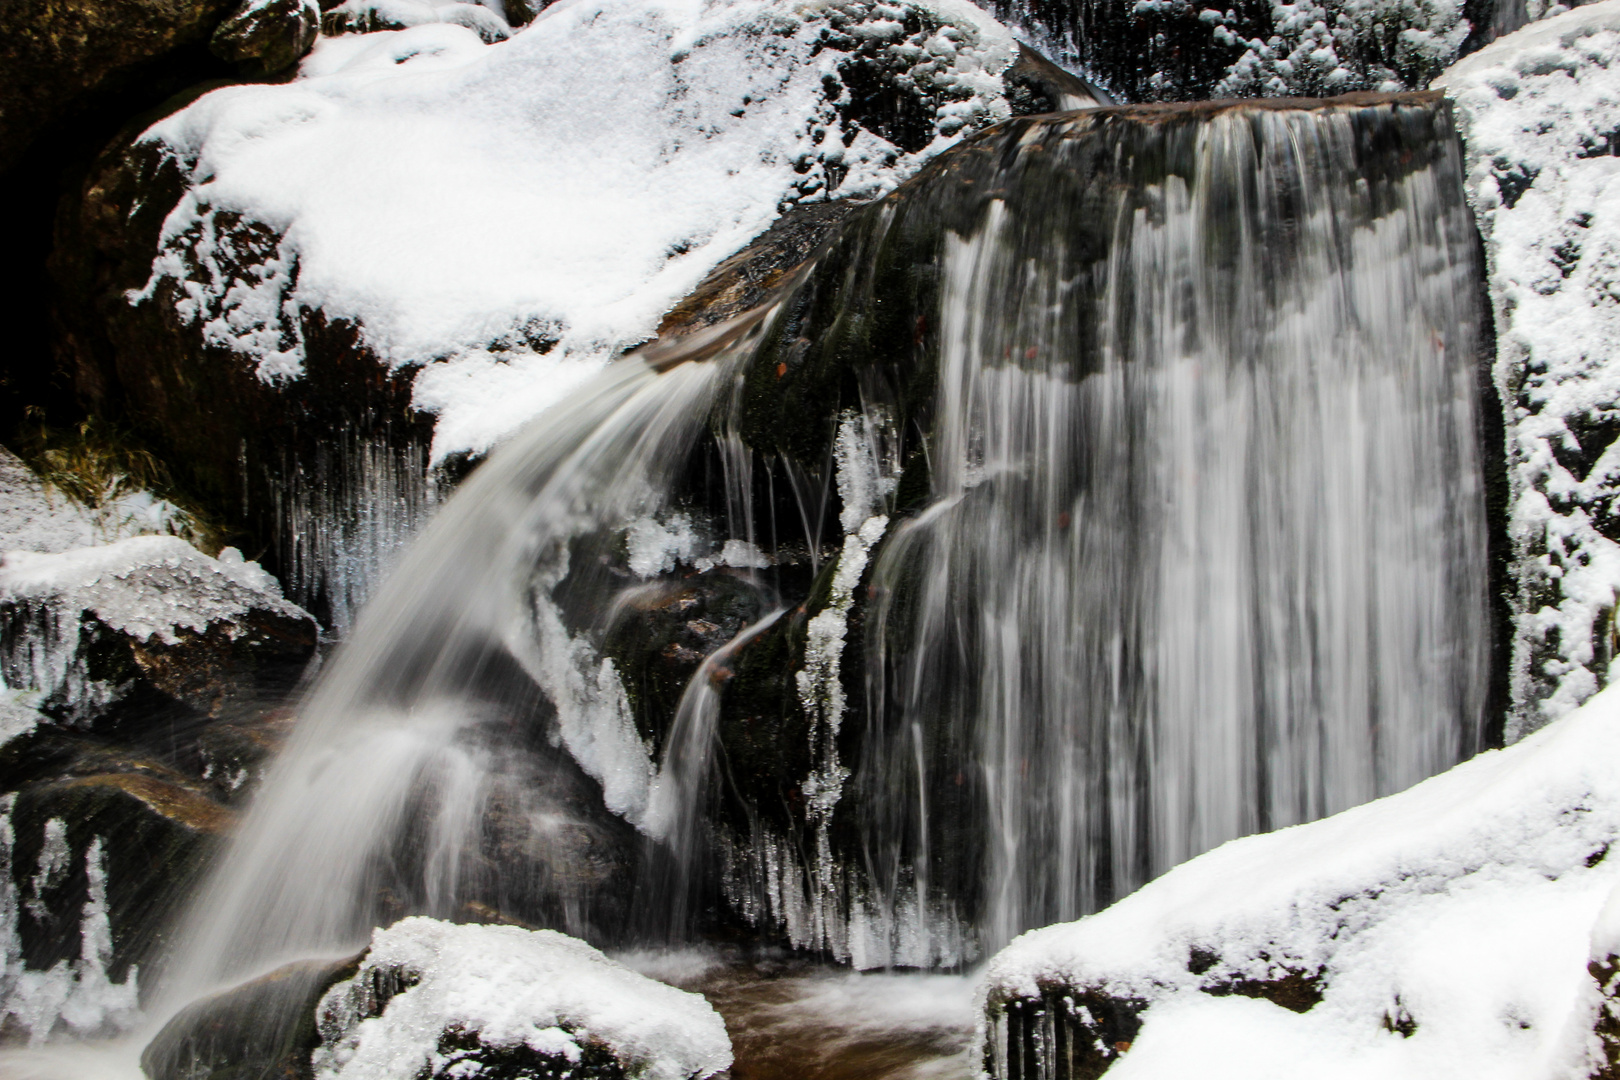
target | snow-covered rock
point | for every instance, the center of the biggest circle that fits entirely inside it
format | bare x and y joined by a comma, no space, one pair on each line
434,999
1444,931
86,628
36,516
1539,112
511,216
367,16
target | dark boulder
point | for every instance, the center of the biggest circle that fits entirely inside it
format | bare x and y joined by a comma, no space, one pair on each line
261,1029
58,58
265,37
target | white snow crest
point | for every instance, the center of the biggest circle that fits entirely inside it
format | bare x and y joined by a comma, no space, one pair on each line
149,587
146,586
508,987
1539,112
1468,906
513,215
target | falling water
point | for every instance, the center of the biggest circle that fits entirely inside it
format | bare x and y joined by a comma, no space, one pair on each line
381,803
1209,558
1160,520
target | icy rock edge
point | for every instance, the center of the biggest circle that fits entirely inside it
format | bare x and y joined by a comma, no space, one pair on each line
434,999
1539,112
1463,927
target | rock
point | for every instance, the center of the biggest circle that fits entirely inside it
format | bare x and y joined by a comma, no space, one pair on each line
436,1000
1538,113
308,454
265,37
58,59
230,342
144,625
1475,915
263,1028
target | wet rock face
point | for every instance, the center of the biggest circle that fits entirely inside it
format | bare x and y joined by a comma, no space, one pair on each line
262,1028
152,825
100,844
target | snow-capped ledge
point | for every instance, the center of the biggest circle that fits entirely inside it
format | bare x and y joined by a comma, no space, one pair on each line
1444,931
82,626
434,999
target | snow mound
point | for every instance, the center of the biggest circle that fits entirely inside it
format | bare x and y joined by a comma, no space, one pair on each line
1539,111
365,16
511,216
1443,931
433,998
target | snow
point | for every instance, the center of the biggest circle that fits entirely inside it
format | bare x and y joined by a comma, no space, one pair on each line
510,987
364,15
146,586
1323,47
151,588
36,516
1469,904
1539,112
511,216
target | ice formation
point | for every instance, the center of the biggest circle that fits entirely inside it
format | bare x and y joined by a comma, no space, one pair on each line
1447,930
501,987
77,993
512,215
146,587
1539,111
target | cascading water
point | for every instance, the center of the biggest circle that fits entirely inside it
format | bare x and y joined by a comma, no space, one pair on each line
1160,520
1206,552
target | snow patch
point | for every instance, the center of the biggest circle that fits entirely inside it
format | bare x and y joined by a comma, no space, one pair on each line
152,588
1463,910
513,215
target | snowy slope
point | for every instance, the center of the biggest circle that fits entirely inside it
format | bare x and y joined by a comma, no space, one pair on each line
1539,111
1447,929
511,215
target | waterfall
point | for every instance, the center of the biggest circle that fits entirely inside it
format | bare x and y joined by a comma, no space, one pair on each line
1155,450
1209,555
